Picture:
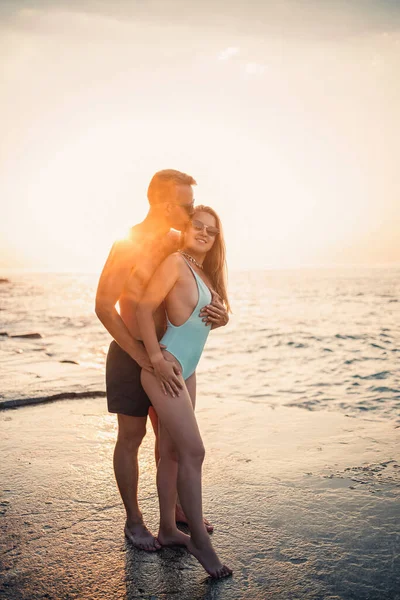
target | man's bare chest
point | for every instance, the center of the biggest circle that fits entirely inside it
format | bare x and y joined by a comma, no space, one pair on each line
145,265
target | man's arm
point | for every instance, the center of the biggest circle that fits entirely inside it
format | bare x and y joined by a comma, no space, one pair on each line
113,278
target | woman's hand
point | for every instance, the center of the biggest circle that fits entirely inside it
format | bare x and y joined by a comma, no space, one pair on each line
167,373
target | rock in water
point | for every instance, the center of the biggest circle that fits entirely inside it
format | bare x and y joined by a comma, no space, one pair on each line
70,362
31,336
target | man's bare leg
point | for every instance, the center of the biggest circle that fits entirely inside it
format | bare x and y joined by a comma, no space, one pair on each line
180,516
131,431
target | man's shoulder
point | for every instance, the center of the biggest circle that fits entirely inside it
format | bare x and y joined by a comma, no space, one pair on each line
125,245
137,234
140,243
132,240
168,242
134,233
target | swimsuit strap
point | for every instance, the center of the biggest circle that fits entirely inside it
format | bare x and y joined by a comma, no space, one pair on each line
198,278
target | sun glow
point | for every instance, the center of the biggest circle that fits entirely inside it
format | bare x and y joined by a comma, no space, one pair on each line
283,139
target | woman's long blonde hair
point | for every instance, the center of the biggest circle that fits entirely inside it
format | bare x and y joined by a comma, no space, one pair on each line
214,264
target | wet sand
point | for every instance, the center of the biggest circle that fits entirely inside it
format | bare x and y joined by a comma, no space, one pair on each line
305,506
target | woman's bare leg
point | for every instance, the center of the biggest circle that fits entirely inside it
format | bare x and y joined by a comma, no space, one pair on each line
154,422
167,475
180,516
178,418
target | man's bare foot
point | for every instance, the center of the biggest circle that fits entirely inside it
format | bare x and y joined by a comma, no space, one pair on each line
180,517
140,537
173,538
207,557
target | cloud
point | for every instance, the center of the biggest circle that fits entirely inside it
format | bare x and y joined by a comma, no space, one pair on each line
228,53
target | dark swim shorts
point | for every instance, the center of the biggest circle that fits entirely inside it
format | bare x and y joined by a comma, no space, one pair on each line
125,394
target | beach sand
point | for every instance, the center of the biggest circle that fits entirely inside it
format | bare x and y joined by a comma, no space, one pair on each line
304,503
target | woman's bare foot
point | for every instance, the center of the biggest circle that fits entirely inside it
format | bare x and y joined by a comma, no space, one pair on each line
140,537
207,557
173,538
180,517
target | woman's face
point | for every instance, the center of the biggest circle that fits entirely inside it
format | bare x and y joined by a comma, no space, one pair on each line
198,236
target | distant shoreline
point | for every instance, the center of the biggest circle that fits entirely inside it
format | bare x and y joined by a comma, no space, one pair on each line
325,267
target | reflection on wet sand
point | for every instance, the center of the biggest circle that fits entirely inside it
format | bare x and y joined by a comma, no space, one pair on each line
305,505
172,573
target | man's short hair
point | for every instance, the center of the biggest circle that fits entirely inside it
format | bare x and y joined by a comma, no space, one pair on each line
162,181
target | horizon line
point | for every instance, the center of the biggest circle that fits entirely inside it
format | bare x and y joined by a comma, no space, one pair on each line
387,265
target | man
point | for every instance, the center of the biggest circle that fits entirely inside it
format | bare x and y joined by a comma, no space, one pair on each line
127,271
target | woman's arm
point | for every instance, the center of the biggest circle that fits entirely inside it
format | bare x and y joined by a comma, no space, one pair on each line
162,282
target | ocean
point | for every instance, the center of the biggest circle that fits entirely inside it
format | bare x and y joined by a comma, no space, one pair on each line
311,338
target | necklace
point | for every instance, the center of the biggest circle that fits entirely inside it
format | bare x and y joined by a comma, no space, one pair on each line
193,260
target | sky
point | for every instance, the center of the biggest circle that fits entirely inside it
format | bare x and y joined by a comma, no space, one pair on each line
286,112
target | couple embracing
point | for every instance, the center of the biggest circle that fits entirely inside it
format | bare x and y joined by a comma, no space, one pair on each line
171,290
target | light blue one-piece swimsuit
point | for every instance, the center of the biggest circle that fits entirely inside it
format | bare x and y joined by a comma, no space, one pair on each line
186,341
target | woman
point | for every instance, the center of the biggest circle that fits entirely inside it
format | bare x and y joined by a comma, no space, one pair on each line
184,281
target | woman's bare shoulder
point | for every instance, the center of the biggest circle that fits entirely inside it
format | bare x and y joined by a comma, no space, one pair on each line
174,260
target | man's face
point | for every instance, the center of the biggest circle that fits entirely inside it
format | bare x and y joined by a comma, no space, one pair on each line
180,206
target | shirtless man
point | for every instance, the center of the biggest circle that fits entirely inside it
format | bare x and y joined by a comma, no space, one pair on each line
128,269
